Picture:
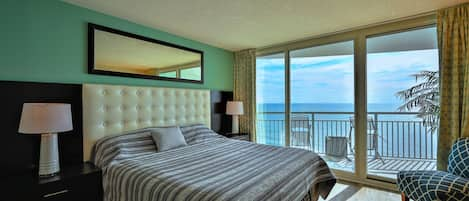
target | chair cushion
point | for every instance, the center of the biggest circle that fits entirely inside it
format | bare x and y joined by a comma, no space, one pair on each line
433,185
458,161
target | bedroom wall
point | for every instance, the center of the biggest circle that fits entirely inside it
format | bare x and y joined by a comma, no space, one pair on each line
46,41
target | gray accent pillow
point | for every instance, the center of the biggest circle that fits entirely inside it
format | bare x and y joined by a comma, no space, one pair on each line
167,138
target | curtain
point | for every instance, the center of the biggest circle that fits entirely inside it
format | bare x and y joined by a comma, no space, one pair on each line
453,42
245,88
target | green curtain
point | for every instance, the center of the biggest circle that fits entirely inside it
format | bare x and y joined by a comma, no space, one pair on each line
245,89
453,43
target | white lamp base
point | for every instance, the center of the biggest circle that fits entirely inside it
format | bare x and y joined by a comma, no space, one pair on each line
235,124
49,158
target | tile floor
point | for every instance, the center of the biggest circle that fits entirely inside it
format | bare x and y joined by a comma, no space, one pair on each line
355,192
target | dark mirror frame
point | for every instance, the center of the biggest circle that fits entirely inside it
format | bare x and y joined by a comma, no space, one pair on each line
91,70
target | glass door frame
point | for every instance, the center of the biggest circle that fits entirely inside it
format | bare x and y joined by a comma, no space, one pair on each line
352,175
359,37
371,35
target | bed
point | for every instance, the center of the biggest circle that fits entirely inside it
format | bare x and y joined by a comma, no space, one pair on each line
118,121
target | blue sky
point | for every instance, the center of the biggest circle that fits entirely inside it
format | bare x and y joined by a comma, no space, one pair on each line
330,79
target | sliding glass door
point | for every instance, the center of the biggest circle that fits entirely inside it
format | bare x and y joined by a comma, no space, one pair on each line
403,91
367,101
322,102
270,99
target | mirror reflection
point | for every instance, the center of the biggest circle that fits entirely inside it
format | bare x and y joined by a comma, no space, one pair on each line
122,55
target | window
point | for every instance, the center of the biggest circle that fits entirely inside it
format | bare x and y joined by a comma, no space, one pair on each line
191,73
345,97
322,102
270,99
400,68
171,74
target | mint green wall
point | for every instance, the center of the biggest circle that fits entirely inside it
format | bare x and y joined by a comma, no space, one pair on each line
46,41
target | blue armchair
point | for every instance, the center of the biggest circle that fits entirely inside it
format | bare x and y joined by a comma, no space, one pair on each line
438,185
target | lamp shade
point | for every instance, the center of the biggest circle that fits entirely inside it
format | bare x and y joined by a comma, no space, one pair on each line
38,118
234,108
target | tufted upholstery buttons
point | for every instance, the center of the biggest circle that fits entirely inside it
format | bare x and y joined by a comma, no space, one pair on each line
112,109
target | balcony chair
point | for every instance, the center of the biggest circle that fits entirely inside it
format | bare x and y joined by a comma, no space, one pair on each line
336,148
452,185
301,130
372,137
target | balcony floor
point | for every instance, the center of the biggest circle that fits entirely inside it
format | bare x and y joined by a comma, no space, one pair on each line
389,168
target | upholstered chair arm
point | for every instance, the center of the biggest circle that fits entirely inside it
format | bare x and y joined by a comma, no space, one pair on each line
433,185
458,160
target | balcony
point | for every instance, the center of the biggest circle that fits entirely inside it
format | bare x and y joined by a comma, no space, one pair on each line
396,140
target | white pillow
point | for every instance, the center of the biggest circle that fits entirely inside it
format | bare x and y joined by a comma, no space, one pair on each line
167,138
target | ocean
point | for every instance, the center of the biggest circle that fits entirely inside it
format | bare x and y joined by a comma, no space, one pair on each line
331,107
399,135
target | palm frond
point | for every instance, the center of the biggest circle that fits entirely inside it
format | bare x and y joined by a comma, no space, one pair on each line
423,97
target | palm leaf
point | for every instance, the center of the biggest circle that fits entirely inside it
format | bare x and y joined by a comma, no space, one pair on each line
423,97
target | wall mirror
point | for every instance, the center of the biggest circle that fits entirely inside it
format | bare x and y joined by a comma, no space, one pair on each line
119,53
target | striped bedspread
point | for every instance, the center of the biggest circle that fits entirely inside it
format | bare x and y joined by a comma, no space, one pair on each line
211,167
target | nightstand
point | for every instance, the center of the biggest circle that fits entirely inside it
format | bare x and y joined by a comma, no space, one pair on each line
78,183
238,136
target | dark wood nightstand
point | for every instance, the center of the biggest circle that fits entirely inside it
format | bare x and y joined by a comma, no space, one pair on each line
238,136
77,183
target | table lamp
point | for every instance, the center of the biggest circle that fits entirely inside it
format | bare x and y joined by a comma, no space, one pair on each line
234,108
46,119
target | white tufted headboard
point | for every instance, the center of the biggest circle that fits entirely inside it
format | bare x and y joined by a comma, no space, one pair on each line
111,109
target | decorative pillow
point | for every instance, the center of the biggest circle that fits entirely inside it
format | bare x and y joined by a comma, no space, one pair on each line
198,133
123,146
167,138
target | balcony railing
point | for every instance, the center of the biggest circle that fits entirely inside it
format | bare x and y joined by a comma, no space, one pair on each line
398,134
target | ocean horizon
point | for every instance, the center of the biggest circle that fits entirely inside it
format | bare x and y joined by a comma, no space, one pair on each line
326,107
332,107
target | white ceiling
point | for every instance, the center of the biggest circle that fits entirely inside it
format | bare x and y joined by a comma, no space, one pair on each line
241,24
